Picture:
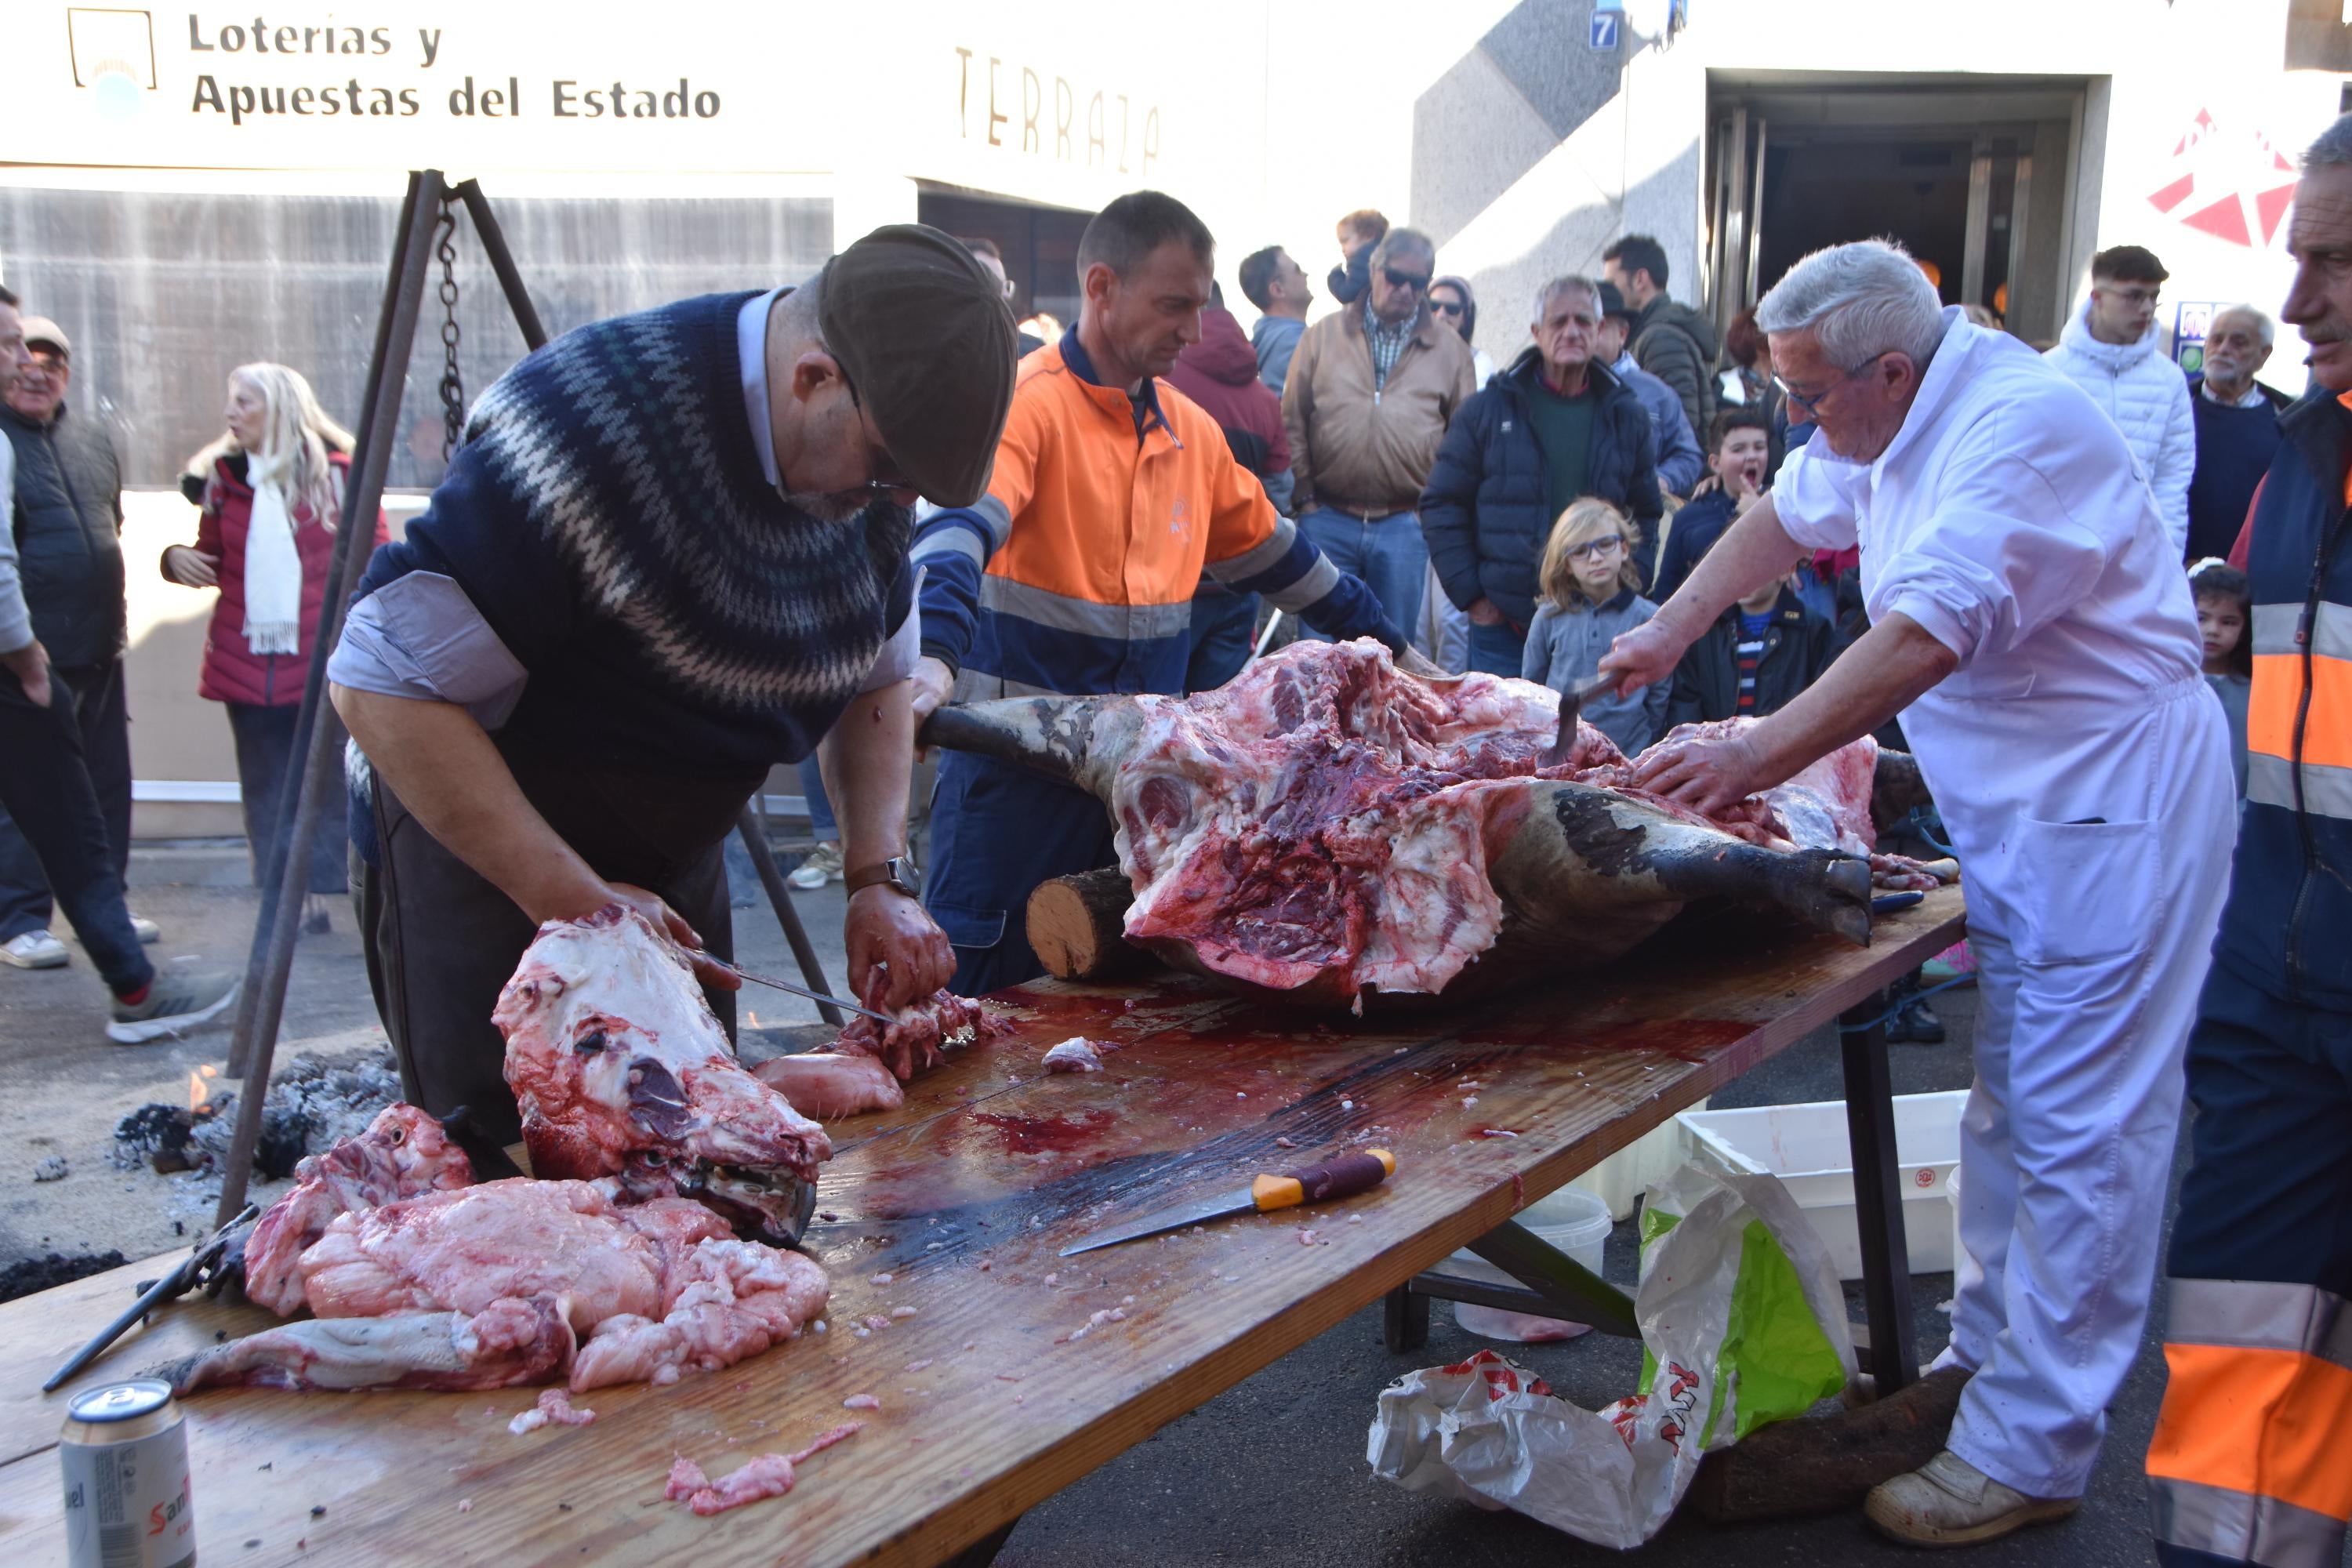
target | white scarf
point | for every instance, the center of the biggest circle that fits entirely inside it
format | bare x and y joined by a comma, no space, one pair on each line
273,572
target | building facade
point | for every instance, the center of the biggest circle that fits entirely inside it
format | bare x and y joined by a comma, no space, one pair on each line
186,191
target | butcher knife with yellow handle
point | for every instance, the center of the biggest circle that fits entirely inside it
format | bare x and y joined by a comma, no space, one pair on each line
1341,1178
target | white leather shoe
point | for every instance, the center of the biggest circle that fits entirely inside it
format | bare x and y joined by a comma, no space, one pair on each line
1949,1503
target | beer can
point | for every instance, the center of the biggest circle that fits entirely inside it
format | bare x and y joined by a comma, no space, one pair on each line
125,1449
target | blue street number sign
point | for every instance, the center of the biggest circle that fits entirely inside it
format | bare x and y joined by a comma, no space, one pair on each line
1603,35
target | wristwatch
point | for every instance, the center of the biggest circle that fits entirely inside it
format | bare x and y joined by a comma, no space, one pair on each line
897,872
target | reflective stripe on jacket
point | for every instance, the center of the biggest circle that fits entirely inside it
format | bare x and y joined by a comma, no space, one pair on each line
2248,1460
1075,571
2290,895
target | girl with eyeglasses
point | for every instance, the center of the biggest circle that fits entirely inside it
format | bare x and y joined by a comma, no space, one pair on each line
1590,592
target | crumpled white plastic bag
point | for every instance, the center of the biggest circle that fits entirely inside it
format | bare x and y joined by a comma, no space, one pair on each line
1492,1432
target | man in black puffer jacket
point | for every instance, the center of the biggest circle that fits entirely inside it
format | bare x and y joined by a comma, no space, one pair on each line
69,501
1556,425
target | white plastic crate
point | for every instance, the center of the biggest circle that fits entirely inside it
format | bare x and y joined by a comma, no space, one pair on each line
1806,1146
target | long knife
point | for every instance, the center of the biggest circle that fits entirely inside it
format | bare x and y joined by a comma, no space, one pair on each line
1341,1178
742,973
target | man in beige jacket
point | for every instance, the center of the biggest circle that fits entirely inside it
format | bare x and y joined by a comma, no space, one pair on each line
1371,389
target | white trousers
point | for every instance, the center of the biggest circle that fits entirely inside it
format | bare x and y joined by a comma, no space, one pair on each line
2067,1142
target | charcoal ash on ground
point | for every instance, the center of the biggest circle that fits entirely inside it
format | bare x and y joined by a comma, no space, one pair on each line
28,1275
314,1100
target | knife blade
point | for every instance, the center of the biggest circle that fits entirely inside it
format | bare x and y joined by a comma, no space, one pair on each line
742,973
1572,705
1341,1178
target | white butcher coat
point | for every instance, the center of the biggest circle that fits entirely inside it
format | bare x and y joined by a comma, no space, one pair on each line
2082,766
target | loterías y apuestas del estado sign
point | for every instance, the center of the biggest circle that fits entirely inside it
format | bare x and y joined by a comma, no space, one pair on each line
339,71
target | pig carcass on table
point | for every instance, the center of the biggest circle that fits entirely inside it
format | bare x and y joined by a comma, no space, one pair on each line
403,1154
620,1069
865,1067
512,1282
1326,824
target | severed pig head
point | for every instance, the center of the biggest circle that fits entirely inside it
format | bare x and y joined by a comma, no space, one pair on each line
620,1069
404,1153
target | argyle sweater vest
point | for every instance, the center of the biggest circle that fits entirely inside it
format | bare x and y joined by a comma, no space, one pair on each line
609,517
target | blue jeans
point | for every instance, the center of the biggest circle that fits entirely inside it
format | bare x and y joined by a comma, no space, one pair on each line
997,830
1390,555
819,809
1496,649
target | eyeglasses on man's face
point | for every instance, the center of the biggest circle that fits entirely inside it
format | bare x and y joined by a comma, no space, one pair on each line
1809,404
1598,549
1416,281
2137,299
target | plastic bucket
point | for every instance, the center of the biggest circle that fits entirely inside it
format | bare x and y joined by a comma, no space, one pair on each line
1575,1222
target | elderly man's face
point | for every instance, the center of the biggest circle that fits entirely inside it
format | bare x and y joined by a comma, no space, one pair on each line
2320,303
1566,334
1858,409
1399,285
40,385
2234,352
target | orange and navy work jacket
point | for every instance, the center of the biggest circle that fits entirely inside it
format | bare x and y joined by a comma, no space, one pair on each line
1075,573
2289,908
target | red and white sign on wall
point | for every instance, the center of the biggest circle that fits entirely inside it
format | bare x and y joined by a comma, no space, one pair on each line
2228,180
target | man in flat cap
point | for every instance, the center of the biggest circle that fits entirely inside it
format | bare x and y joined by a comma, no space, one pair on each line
671,554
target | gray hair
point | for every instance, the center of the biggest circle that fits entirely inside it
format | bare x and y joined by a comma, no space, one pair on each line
1566,282
1860,299
2264,328
1403,240
2334,148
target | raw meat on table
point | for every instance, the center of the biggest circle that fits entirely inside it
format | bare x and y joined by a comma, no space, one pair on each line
403,1154
862,1070
765,1476
830,1085
1075,1053
1325,824
917,1042
519,1281
620,1069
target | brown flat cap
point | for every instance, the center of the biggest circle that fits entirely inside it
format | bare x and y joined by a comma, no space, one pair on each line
928,342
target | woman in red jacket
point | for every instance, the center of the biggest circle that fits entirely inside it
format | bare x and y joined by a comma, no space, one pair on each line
272,492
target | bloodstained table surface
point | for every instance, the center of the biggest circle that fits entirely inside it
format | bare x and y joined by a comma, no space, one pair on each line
1005,1378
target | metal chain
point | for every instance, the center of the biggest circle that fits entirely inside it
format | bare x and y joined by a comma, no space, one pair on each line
453,383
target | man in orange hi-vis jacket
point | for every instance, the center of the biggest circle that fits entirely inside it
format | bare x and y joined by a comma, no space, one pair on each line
2251,1461
1075,573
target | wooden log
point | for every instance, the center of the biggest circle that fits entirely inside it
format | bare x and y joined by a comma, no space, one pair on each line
1075,926
1829,1463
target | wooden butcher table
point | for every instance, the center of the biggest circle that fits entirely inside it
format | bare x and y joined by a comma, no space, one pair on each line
1000,1381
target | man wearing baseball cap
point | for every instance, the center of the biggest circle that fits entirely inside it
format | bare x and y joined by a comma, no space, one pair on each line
671,554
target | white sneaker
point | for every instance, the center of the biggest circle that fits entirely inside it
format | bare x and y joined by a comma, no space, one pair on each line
34,950
147,931
822,866
1949,1503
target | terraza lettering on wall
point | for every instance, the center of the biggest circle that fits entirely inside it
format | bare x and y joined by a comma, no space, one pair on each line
1104,130
241,101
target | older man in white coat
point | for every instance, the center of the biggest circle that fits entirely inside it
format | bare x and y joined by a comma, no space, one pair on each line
2031,623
